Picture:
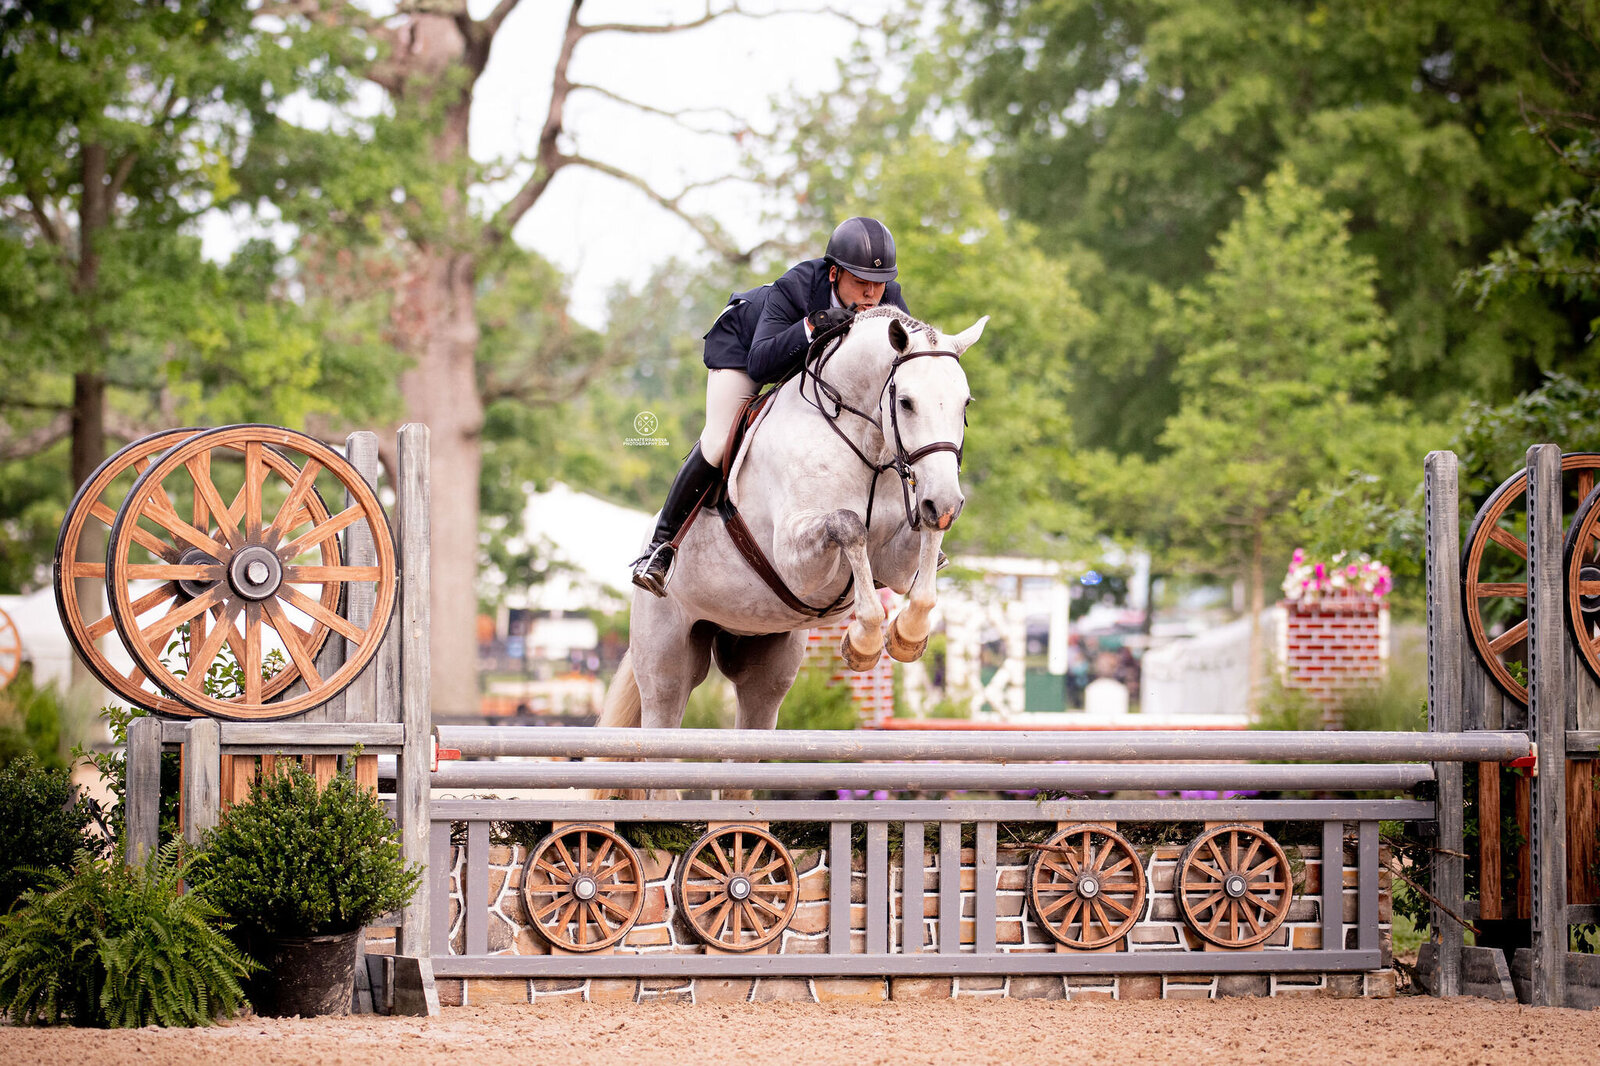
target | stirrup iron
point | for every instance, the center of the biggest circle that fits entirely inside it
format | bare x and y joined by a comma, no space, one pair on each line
654,569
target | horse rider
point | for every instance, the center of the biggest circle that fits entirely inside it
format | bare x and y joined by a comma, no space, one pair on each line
760,337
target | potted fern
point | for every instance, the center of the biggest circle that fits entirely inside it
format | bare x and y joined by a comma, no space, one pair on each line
301,870
106,944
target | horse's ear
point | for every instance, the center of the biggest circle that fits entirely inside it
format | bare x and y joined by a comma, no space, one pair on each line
969,336
898,337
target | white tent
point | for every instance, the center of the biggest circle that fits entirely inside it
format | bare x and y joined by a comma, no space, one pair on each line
44,642
591,543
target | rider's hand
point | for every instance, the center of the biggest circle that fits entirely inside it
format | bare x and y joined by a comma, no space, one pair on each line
830,318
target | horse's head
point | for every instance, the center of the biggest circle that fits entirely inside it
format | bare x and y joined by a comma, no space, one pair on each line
922,408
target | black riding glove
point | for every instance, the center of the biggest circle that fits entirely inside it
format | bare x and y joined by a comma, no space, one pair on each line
830,318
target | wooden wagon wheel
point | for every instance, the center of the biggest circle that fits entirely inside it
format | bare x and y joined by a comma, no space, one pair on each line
1583,581
583,886
93,510
738,888
1234,885
275,537
1086,886
1494,571
10,650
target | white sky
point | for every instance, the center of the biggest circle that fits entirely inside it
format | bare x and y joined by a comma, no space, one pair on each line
597,229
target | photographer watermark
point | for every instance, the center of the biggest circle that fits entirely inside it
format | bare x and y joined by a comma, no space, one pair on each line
646,424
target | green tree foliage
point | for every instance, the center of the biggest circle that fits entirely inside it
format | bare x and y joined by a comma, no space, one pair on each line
1123,129
1560,252
562,399
864,150
1493,440
119,946
121,123
1281,351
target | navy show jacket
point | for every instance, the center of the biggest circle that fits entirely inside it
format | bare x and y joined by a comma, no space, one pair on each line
762,331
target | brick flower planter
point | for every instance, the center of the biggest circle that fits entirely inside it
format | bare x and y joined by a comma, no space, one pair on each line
1332,646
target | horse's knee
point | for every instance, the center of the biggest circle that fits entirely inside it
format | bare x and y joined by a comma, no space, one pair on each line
846,529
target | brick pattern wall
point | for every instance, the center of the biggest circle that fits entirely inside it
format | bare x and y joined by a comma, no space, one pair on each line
661,930
1333,647
873,690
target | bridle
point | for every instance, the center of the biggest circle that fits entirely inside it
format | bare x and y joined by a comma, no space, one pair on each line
811,369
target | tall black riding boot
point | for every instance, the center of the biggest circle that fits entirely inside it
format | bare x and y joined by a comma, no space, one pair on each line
694,478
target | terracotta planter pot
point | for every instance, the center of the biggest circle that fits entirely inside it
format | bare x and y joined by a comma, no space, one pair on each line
307,976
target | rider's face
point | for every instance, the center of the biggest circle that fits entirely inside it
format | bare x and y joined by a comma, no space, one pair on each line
852,290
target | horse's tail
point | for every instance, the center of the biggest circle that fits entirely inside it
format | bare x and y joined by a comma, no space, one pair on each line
621,710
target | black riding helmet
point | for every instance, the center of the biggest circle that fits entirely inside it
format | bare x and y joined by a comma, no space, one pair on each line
864,247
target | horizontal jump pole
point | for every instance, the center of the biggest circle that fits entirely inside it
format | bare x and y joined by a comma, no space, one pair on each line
973,745
926,776
918,964
945,810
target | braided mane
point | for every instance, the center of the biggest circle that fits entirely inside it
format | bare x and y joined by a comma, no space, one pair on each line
912,325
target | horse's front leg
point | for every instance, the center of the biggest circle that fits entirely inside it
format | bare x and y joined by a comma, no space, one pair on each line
808,549
908,633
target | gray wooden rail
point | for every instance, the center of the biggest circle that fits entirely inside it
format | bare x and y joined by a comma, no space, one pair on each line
893,943
974,744
907,777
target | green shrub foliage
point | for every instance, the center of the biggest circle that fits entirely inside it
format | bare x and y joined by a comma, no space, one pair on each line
113,766
295,860
120,946
31,720
816,702
42,825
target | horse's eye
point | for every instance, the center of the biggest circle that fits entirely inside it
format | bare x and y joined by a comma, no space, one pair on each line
906,405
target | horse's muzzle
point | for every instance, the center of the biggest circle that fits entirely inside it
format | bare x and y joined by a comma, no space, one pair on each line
941,519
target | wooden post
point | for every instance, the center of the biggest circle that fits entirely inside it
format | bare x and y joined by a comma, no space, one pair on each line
412,786
202,780
1547,716
142,816
1445,629
1490,890
361,698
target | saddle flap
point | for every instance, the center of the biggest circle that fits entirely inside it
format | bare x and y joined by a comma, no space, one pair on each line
739,433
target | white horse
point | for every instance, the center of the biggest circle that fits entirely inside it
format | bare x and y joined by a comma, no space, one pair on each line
850,478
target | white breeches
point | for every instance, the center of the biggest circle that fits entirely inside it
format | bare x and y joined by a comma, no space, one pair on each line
726,392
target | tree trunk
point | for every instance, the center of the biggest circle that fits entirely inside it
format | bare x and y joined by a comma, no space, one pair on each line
89,384
441,390
1257,605
88,451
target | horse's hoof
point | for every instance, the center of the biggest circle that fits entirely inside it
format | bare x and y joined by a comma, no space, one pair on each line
906,651
854,659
